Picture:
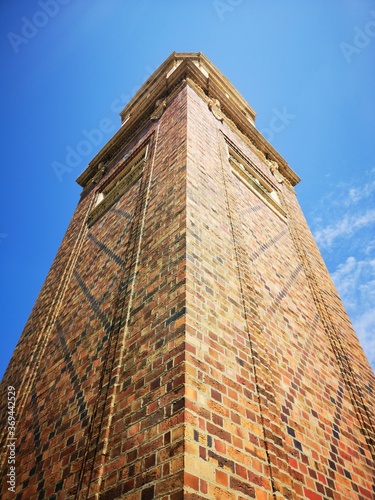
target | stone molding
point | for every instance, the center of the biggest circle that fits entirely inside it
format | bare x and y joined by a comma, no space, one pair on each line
113,190
225,102
261,188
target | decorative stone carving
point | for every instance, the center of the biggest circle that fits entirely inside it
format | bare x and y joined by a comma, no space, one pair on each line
101,170
274,167
215,108
160,106
100,173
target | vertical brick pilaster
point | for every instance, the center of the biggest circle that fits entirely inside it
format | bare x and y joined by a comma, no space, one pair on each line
264,365
96,448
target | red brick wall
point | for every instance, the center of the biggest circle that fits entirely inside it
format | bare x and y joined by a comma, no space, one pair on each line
103,398
270,407
190,343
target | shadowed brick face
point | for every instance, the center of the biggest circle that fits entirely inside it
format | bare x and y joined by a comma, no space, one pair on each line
189,343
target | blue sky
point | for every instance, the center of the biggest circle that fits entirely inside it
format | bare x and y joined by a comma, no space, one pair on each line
69,66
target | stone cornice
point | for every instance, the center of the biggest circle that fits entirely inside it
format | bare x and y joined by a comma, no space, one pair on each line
224,101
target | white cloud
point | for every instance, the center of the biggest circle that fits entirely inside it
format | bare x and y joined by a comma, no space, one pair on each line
345,227
346,280
364,326
355,282
357,194
369,247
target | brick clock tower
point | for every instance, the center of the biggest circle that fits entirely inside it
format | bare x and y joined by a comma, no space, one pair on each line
188,342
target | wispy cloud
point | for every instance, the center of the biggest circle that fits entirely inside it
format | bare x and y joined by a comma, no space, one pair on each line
345,227
357,194
364,326
355,282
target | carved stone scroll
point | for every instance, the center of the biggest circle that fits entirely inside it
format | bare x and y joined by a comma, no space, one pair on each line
160,106
215,108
